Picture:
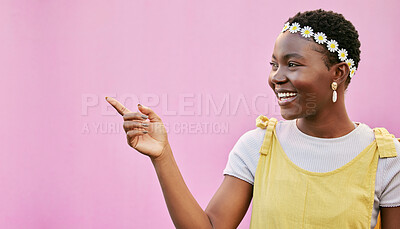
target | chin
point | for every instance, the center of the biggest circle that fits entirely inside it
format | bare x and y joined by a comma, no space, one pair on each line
296,112
289,116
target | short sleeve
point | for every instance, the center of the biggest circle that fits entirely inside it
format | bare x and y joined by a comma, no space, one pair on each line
390,196
243,158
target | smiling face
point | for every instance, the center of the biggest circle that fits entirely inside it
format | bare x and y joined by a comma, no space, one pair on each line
300,78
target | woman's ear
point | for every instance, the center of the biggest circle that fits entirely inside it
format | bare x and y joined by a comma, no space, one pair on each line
342,71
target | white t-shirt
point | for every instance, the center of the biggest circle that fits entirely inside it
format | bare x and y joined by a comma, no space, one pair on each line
319,155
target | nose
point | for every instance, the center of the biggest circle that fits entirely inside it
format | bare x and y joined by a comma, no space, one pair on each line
278,76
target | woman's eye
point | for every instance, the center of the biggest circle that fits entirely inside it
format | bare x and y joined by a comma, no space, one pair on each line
291,64
273,64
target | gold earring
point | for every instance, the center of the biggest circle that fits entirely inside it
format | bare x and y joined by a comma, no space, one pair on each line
334,96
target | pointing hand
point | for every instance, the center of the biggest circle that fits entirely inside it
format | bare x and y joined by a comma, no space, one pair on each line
149,137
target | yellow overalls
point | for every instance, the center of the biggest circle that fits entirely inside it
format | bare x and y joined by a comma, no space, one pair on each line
287,196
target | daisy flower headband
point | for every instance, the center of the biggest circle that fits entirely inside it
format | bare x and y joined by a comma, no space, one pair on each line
321,39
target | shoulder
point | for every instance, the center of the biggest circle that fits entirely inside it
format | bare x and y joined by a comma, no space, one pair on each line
368,130
243,158
394,162
388,176
389,196
255,137
252,137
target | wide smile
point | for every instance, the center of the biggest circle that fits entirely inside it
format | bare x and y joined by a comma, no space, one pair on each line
284,98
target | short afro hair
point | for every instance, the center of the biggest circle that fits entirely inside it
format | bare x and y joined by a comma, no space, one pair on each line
336,27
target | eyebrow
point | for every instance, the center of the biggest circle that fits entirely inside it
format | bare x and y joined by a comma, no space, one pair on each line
290,55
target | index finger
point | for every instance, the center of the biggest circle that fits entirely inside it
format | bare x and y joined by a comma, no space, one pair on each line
118,106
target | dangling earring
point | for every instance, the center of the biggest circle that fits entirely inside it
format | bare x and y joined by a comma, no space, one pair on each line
334,87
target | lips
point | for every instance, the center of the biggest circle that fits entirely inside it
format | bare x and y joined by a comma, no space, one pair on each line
285,97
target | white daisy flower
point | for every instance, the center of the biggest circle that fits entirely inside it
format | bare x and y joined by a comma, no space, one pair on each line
295,27
342,53
352,72
320,38
307,32
350,62
286,27
332,45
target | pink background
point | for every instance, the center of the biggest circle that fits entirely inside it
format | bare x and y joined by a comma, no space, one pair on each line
60,58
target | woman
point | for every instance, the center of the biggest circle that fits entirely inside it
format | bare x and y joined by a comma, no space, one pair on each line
317,169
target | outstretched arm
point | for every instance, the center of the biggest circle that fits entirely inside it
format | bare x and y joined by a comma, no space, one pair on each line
230,202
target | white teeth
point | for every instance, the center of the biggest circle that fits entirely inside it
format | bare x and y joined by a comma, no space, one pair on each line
286,94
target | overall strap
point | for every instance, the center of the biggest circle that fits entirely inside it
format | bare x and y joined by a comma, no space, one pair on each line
385,143
263,122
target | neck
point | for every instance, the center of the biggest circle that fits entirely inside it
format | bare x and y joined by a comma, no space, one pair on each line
329,124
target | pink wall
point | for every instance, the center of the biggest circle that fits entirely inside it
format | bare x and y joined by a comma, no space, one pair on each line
64,158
